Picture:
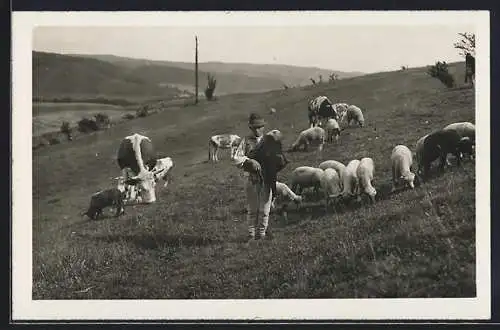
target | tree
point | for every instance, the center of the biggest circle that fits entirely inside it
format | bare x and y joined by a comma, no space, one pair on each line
440,71
466,44
196,69
66,130
320,79
209,90
313,81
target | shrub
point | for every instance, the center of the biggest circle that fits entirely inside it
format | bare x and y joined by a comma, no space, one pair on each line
102,120
211,84
66,130
128,116
86,125
54,140
440,71
143,111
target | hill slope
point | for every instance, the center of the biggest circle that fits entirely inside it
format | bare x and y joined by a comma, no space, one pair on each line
287,74
190,244
76,77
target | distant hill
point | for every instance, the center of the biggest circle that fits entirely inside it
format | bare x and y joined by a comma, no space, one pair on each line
287,74
109,76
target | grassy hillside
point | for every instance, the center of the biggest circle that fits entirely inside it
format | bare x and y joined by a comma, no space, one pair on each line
191,243
63,76
288,74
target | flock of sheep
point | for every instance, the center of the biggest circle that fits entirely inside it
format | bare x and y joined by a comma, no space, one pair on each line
338,182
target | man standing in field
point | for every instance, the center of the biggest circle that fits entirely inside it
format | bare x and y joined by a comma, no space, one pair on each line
257,195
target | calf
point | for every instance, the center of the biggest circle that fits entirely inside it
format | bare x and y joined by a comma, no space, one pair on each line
112,197
222,141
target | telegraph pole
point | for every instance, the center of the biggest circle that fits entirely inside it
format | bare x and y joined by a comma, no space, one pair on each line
196,69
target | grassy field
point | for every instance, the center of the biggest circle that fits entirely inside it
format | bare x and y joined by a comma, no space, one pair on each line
191,243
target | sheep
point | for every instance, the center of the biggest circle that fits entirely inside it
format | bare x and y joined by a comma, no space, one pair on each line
311,136
337,166
305,177
350,180
330,184
465,130
272,111
402,160
284,195
353,113
436,145
332,130
365,172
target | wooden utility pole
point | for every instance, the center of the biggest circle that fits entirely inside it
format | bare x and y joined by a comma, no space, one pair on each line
196,69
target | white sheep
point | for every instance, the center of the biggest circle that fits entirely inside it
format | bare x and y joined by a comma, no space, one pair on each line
402,160
337,166
284,195
306,177
365,173
353,113
350,180
332,130
330,184
312,136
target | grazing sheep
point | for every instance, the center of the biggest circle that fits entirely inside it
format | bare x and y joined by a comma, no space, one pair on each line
350,180
353,113
332,130
272,111
436,145
465,130
284,195
337,166
330,184
365,173
311,136
112,197
222,141
402,160
305,177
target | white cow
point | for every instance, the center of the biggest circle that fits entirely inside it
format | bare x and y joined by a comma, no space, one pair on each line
222,141
402,160
162,169
135,157
365,173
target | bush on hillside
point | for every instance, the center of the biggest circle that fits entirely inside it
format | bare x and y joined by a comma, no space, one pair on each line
211,84
440,71
143,111
87,125
66,130
128,116
102,120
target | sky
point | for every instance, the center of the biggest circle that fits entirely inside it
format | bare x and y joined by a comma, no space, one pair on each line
345,48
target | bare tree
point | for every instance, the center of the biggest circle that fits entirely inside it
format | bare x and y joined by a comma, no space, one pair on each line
466,44
196,69
320,79
211,84
313,81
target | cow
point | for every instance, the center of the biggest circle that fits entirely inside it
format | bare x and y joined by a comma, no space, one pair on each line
113,197
135,158
320,108
438,144
162,170
222,141
470,69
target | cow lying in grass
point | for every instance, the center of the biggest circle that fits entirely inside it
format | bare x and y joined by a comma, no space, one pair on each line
222,141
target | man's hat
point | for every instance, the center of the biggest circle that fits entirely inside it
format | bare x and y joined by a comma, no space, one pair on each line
254,120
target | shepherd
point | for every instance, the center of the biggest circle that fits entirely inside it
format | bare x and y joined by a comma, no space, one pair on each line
261,158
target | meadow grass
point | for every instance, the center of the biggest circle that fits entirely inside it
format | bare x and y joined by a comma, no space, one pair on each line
192,242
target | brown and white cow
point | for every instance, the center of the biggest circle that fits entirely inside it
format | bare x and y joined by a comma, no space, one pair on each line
135,157
222,141
319,109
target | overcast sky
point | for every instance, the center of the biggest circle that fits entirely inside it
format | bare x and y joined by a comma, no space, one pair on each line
345,48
